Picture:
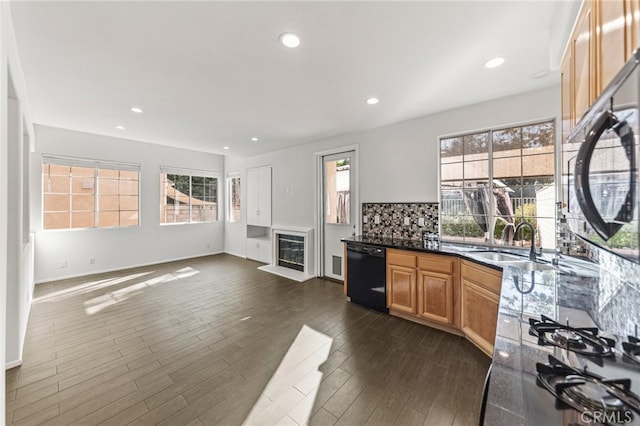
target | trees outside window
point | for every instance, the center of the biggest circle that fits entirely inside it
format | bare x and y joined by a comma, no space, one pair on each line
188,197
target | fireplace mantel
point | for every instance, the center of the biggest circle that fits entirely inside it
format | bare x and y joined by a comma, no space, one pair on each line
307,258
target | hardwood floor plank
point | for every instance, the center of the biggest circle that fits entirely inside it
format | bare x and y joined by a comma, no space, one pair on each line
410,417
322,418
123,417
38,417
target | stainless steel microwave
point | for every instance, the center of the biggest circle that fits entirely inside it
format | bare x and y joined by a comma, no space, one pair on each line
600,167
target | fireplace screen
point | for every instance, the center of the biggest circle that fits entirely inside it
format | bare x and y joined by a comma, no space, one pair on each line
291,251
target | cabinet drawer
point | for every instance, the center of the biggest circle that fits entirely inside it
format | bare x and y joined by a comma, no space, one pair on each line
439,264
401,258
482,276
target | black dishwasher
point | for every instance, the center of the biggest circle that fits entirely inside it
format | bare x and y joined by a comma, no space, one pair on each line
366,276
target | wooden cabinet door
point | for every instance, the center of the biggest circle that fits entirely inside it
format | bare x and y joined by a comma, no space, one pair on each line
401,288
435,297
612,53
479,315
632,25
583,56
568,115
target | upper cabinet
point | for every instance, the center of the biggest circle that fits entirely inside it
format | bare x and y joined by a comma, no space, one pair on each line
605,34
259,196
583,59
611,35
632,24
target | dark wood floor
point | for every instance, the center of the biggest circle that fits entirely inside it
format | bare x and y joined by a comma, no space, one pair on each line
213,340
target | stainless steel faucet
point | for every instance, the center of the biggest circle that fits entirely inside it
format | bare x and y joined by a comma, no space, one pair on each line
532,252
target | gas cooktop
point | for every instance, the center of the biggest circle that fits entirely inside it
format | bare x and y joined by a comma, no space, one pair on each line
567,350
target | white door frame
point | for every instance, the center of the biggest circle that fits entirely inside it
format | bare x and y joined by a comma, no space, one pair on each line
319,199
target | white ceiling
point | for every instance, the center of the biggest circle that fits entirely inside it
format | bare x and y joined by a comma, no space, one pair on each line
213,74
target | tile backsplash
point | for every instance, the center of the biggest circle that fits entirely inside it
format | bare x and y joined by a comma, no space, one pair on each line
387,220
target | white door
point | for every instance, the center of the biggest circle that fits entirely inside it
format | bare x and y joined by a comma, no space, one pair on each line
339,209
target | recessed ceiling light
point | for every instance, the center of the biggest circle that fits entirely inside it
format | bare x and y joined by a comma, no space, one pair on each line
137,110
290,40
120,127
225,147
494,62
373,101
254,139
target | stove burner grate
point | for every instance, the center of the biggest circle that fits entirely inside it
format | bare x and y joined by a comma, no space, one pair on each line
583,340
632,349
587,392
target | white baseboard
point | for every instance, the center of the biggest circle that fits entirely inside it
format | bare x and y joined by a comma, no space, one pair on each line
13,364
102,271
236,254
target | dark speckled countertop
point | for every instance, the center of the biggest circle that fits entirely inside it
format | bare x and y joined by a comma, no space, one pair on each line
604,294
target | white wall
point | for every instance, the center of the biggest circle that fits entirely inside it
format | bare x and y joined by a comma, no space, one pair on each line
118,248
398,162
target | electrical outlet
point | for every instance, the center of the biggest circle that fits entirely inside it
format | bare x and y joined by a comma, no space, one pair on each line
407,221
421,221
63,264
92,261
365,219
376,219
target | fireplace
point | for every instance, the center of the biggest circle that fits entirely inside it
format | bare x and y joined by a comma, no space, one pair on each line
292,253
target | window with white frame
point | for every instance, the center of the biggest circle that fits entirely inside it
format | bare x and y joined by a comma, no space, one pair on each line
188,196
83,193
233,197
493,180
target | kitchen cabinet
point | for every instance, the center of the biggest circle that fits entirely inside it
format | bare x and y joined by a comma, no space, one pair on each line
438,288
259,248
611,37
480,300
605,34
584,60
259,196
401,281
632,25
424,288
568,109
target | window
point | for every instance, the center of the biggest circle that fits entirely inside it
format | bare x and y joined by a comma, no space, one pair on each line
491,181
79,193
188,196
233,197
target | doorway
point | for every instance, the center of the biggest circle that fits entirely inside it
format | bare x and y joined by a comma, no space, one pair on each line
338,208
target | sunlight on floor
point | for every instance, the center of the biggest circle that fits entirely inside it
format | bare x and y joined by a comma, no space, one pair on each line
99,303
289,396
86,288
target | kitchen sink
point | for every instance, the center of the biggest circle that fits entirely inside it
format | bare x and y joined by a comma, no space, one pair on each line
495,256
529,265
511,259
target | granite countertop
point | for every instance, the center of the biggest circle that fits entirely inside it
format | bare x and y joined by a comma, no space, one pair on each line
466,251
604,294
